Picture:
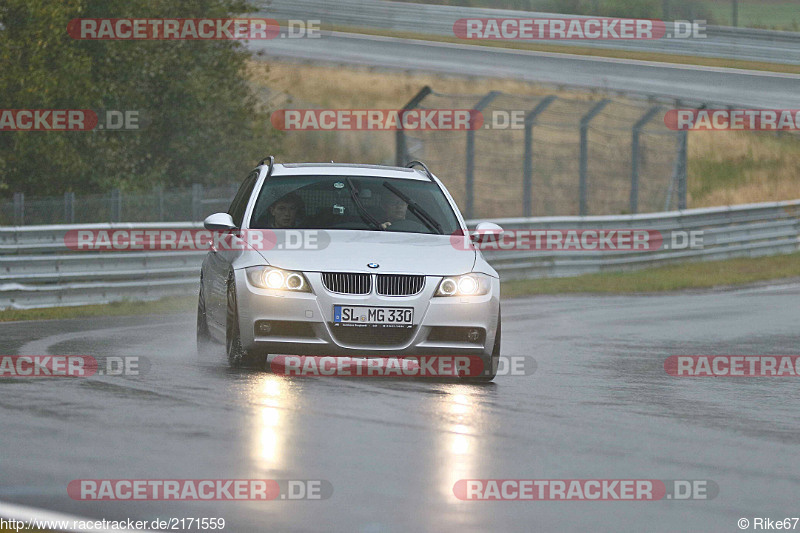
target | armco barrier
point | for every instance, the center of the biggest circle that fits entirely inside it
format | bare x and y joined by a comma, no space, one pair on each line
37,270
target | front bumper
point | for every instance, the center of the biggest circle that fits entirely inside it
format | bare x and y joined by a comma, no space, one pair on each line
305,322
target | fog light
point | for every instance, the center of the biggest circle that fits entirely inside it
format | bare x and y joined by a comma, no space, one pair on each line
263,327
473,335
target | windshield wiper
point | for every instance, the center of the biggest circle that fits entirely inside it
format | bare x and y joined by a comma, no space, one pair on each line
365,215
421,214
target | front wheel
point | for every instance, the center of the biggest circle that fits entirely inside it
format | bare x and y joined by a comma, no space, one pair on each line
237,355
205,343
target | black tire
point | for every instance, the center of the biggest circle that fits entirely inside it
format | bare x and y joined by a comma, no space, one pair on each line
490,362
237,355
205,343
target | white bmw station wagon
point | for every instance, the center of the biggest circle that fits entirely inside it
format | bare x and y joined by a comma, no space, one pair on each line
349,260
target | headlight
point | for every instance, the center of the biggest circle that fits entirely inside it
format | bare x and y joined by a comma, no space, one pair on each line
277,279
466,285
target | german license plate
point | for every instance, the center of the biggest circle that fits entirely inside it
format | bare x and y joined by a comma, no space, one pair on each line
384,316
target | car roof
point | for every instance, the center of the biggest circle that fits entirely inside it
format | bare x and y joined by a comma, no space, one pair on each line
343,169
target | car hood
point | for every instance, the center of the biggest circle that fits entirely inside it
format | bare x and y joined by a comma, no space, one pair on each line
351,251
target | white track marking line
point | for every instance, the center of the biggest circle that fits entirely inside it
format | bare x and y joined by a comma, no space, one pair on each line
41,346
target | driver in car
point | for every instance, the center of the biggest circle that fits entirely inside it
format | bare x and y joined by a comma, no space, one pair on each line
394,209
286,212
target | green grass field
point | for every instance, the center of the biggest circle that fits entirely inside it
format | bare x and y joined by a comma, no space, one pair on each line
706,275
772,14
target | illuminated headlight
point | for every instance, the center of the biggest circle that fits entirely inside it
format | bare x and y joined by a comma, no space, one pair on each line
277,279
466,285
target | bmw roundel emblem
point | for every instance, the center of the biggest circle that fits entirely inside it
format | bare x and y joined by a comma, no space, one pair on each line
373,265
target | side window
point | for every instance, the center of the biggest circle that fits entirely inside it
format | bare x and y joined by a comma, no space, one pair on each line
239,204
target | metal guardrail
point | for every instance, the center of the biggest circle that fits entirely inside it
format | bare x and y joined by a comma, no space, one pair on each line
37,270
721,41
739,231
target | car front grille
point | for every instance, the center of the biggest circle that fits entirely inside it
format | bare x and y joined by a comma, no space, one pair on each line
386,284
347,283
399,284
372,336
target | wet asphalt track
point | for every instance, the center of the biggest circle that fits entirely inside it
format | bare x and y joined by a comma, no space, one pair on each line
599,406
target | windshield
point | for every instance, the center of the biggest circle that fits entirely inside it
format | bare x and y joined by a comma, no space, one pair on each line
355,203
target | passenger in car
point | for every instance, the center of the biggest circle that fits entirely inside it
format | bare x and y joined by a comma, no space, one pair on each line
394,209
286,212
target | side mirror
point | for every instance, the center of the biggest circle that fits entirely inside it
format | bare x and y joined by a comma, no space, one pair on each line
219,222
486,232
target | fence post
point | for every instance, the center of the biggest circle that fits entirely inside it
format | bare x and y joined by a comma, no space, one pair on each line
116,205
584,163
527,172
19,208
637,130
682,175
69,207
158,191
197,202
469,186
678,180
401,152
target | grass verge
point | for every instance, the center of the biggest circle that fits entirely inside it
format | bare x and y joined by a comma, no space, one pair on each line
706,275
126,308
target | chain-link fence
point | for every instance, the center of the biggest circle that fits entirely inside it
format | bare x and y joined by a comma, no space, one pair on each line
541,156
532,156
177,205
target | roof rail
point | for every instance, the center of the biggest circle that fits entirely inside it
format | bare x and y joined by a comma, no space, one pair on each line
271,160
423,165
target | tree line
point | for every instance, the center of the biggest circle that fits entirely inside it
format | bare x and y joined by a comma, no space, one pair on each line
199,121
